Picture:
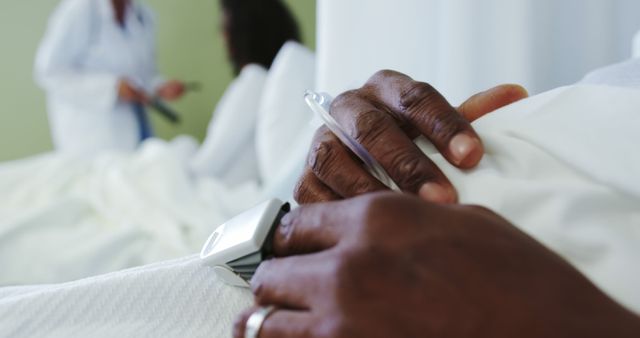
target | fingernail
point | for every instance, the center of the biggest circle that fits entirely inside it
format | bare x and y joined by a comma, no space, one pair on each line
437,193
284,227
466,150
286,219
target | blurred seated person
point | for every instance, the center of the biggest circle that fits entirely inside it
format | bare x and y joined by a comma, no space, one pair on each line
254,33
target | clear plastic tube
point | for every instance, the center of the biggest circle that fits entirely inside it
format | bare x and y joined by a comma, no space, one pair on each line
320,103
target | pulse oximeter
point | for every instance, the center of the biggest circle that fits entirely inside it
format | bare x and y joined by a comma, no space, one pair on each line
237,247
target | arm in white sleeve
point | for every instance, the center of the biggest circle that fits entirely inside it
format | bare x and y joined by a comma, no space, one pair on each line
58,69
232,128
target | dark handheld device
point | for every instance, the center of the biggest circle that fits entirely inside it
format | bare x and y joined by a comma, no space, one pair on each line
164,110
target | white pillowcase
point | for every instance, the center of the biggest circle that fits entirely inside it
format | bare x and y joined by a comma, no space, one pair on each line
283,115
228,151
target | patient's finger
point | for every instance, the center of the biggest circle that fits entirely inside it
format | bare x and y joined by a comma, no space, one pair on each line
338,168
379,133
281,323
290,282
310,189
490,100
311,228
289,324
421,106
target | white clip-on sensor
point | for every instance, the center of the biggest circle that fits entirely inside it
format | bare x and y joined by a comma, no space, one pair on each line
237,247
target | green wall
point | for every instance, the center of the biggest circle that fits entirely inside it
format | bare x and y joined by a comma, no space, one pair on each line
189,48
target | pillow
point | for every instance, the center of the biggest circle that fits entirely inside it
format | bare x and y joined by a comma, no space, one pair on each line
228,151
283,114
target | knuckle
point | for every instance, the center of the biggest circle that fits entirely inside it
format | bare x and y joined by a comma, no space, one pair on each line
287,234
344,100
381,75
425,106
304,191
410,170
443,124
370,125
416,93
259,294
323,156
258,287
308,195
362,185
360,117
321,134
302,194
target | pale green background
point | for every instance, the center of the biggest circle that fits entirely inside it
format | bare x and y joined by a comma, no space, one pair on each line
189,47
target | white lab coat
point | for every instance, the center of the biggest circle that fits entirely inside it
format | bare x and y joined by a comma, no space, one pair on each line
81,59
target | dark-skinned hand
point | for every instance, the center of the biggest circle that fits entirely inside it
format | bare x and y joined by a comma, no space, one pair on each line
385,116
392,265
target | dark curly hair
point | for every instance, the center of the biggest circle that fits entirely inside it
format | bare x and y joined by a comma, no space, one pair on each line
256,30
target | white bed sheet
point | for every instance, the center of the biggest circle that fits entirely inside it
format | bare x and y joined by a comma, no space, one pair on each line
64,218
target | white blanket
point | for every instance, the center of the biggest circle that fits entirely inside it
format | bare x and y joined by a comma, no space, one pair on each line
65,218
562,165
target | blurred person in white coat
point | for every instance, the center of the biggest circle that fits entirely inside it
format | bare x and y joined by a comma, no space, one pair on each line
97,64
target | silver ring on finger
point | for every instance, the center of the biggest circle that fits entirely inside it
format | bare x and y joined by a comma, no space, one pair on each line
255,321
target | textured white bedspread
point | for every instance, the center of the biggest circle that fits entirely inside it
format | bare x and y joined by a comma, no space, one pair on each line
173,299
